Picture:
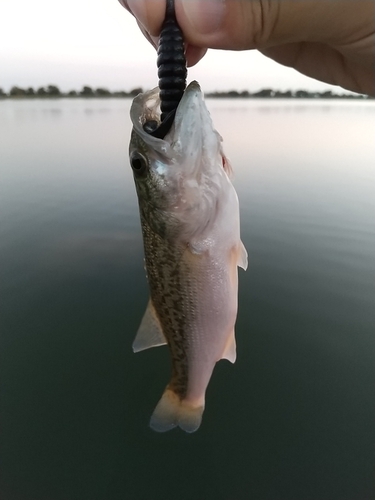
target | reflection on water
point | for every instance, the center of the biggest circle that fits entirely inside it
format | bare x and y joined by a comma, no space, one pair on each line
294,417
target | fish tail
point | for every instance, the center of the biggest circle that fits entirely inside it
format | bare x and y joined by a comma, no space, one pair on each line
171,412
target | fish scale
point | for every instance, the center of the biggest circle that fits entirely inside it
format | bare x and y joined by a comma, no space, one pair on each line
164,277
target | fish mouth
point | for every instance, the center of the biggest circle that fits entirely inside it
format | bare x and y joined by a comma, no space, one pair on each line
146,108
161,129
190,105
192,88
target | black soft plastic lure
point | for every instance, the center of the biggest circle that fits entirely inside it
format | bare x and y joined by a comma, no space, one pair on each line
172,73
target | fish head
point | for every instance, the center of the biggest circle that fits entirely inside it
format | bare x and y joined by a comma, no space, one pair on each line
178,178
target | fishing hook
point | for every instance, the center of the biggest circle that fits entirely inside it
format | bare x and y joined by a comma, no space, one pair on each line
172,73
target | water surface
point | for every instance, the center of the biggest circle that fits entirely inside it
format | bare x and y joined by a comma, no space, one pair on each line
294,418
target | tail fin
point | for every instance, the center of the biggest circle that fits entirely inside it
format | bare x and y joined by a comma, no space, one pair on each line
171,412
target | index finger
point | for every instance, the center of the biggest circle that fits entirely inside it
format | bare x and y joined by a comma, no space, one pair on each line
150,16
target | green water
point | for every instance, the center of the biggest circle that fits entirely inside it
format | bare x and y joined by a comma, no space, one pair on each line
294,418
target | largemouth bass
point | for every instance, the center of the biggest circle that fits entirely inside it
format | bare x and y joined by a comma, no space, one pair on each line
190,222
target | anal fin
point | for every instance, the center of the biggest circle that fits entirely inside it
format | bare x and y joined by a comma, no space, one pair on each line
230,352
150,333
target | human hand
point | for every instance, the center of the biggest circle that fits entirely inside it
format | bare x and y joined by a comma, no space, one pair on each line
330,40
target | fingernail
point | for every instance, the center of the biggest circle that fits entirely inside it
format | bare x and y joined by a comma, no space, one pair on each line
205,16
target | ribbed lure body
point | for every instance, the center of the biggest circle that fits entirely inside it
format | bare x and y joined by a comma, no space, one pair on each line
172,73
171,63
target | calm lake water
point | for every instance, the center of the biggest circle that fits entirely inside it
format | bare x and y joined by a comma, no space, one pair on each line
294,418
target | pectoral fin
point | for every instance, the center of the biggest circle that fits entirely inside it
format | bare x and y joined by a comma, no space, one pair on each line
226,163
230,349
149,333
242,256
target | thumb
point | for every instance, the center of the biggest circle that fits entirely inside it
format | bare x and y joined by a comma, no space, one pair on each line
226,24
259,24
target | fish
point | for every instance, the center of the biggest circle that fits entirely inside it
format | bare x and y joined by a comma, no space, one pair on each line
189,214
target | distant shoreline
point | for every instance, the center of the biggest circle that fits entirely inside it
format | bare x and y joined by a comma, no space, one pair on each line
52,91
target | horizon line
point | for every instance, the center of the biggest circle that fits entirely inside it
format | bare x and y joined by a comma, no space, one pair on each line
52,90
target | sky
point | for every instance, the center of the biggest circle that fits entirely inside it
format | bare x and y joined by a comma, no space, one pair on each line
71,43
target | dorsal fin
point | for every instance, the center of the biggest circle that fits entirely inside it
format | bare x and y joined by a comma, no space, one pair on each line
150,333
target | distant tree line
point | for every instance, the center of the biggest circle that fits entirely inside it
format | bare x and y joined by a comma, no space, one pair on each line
86,91
288,94
54,91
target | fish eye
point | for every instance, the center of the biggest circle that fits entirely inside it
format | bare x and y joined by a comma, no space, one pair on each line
139,163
